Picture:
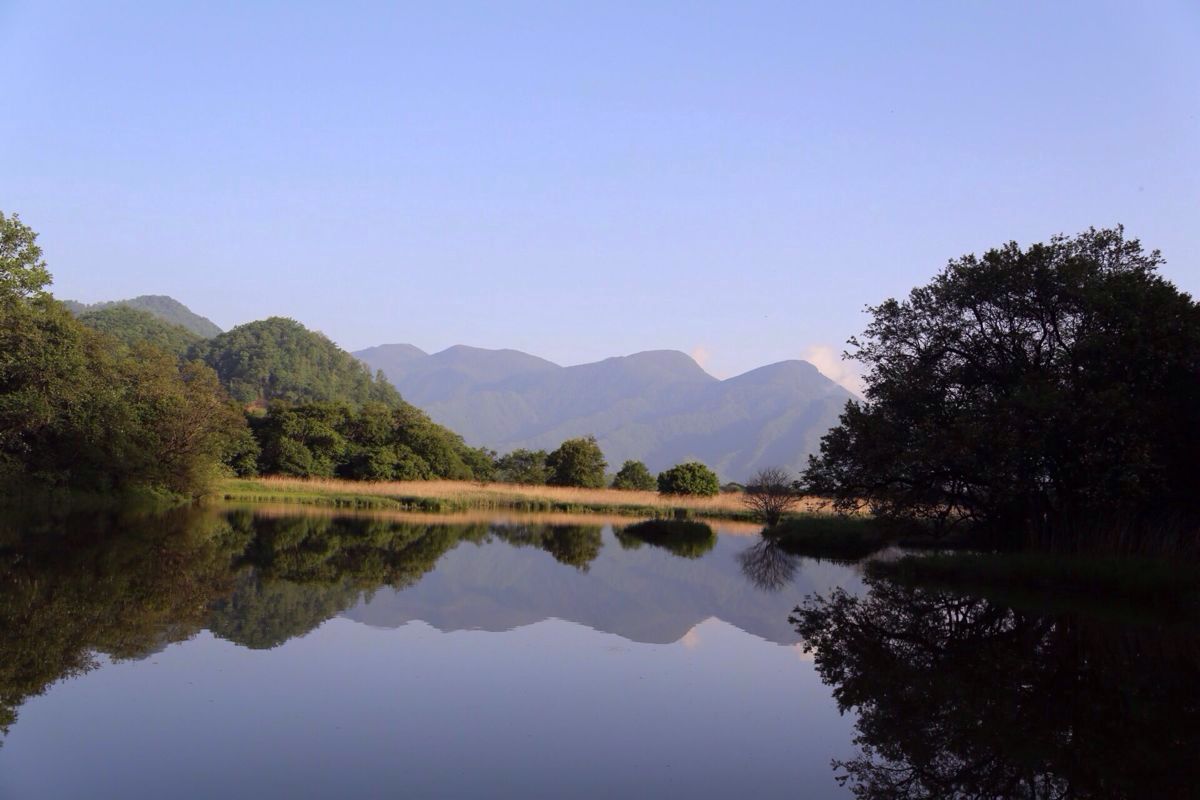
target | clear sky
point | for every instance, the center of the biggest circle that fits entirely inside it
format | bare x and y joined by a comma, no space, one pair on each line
581,180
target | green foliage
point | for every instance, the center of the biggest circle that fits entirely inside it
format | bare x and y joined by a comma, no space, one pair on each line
523,466
375,442
577,462
634,475
691,477
280,359
1047,393
161,307
81,410
131,326
23,272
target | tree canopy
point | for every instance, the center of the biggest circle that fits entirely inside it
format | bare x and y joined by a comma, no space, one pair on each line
131,325
523,466
577,462
280,359
634,475
80,410
689,478
23,271
1050,391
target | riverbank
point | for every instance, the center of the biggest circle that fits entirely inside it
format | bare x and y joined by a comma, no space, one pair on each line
444,497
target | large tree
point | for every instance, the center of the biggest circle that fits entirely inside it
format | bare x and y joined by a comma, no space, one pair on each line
577,462
1052,391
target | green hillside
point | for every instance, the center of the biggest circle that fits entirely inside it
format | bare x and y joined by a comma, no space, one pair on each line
280,359
131,325
167,309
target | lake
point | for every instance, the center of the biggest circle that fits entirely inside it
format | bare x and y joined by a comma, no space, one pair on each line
277,653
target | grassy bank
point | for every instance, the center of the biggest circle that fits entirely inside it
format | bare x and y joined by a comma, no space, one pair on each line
829,536
1041,580
459,496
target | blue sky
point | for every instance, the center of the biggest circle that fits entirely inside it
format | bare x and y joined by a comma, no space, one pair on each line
581,180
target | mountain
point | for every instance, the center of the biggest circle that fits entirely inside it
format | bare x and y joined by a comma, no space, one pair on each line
280,359
657,406
165,308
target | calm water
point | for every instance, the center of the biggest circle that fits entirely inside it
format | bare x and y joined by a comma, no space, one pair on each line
234,655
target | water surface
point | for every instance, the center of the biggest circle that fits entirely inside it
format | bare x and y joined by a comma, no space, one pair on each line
229,653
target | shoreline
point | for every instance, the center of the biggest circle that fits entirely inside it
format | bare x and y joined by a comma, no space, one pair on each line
448,497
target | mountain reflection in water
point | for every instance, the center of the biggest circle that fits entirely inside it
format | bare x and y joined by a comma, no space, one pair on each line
554,651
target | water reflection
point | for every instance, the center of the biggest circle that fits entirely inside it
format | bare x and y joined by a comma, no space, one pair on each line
961,697
124,587
767,565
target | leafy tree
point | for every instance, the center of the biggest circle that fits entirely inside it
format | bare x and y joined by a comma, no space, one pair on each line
523,466
689,478
80,410
577,462
23,272
770,494
374,442
634,475
1049,392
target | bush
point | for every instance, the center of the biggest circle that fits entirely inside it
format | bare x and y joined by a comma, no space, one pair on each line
690,478
634,475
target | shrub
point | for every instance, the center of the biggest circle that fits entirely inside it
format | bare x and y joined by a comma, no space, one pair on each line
690,478
634,475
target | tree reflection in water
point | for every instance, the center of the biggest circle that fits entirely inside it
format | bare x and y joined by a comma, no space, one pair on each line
768,566
960,697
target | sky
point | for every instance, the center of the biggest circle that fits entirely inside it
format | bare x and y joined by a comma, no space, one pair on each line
580,180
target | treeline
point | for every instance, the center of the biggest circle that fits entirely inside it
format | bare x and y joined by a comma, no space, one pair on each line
580,462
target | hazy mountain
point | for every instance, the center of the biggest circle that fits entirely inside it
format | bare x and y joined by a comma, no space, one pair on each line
165,308
657,406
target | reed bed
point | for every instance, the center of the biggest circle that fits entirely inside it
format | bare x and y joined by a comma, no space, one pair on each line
278,510
459,496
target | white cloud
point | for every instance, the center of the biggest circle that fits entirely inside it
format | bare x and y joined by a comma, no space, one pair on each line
829,360
701,355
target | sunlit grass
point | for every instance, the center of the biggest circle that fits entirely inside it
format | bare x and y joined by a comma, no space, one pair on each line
457,496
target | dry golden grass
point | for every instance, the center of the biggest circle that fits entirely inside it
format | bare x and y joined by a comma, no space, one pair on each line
501,516
461,495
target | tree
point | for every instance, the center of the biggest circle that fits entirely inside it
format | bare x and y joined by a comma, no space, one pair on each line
634,475
523,466
23,272
691,477
577,462
1049,392
770,494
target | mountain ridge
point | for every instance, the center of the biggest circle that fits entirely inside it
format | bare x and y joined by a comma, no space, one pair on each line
657,406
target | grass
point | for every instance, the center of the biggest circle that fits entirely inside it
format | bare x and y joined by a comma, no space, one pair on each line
838,538
460,496
1041,580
